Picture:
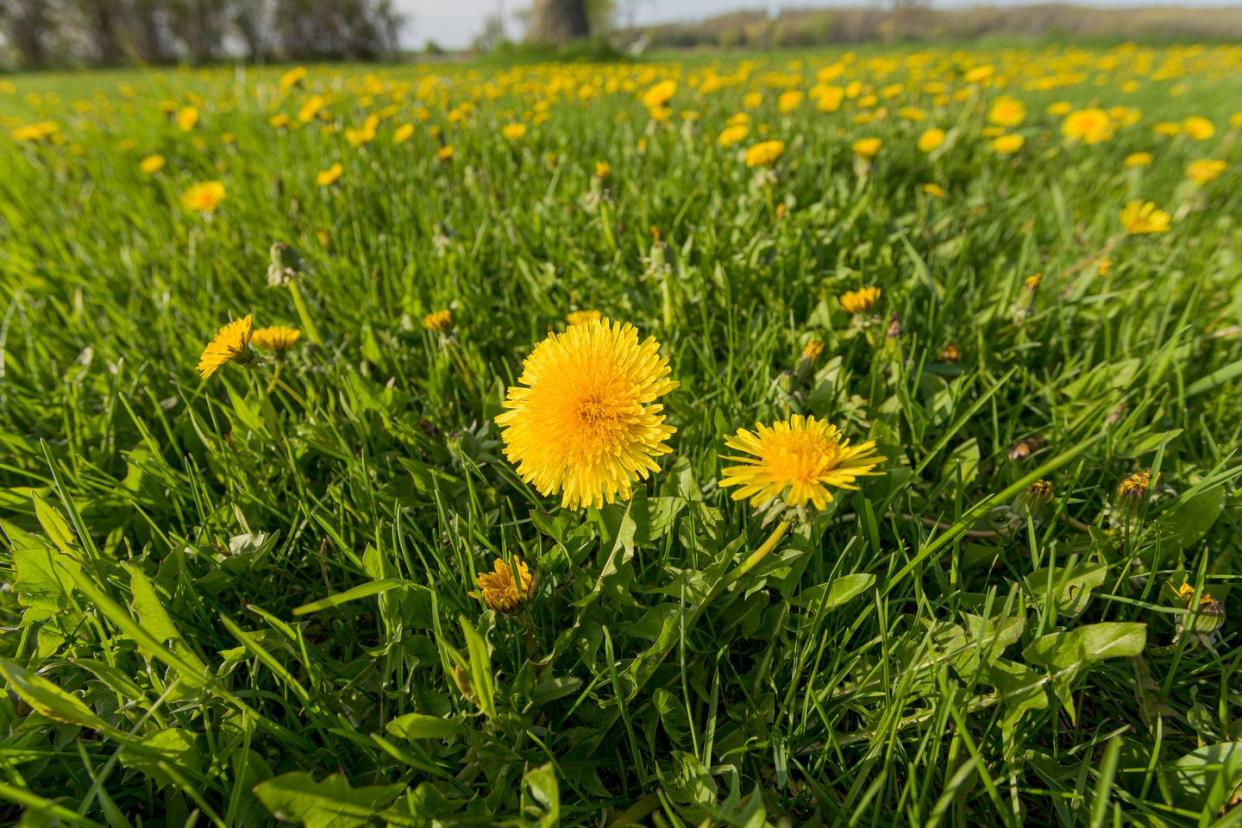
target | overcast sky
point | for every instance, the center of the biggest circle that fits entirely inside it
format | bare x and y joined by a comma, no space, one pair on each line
453,23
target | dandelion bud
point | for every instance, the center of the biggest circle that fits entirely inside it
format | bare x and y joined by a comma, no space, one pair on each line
950,353
894,327
1037,495
1023,449
1205,617
284,265
1134,486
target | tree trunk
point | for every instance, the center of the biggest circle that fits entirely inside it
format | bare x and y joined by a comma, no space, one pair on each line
558,21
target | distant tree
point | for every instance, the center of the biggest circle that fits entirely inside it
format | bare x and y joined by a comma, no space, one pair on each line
558,21
29,27
491,35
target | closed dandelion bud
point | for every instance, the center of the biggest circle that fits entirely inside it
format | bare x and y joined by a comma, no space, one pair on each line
894,327
950,353
1203,618
1037,495
1032,282
284,265
462,680
812,351
1023,449
1134,487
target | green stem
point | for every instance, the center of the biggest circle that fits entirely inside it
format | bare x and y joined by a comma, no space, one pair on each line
759,554
303,314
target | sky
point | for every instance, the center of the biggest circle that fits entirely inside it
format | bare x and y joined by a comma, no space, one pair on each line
453,23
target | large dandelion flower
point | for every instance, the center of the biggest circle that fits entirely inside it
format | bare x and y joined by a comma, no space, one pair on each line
798,459
231,343
583,421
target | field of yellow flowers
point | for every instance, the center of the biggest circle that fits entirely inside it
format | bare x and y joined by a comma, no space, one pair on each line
833,438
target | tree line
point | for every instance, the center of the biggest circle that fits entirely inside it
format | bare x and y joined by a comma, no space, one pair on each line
109,32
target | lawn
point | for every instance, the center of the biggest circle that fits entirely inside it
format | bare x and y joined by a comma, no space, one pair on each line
336,487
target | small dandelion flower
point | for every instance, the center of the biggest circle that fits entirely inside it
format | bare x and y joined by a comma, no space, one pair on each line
151,164
513,132
584,420
931,140
1007,112
1007,144
798,460
602,170
660,94
1038,494
1134,486
1205,171
812,350
1103,267
861,300
583,317
765,153
505,588
1138,159
1198,128
1033,281
867,147
204,197
1140,217
950,353
733,134
438,321
402,133
231,344
275,338
935,190
187,118
445,154
328,177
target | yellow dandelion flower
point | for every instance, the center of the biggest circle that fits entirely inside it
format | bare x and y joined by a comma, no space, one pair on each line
867,147
203,197
765,153
1205,171
660,94
505,587
812,350
275,338
1007,144
513,132
1138,159
402,133
187,118
231,343
1141,217
445,153
602,170
1103,267
950,353
1059,108
798,459
1033,281
1198,128
292,78
1091,126
789,101
931,140
731,135
151,164
438,321
584,420
933,189
582,317
861,300
328,177
1007,112
1134,486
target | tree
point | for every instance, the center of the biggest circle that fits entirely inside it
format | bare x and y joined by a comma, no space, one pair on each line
558,21
28,26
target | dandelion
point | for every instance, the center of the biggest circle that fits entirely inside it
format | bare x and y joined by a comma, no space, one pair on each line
33,133
931,140
1007,144
1134,486
1207,617
1139,217
187,118
445,154
151,164
765,153
583,317
402,133
275,338
1036,496
280,120
861,300
1007,112
1024,448
1091,126
203,197
328,177
798,460
602,170
1103,267
731,135
789,101
933,189
513,132
1138,159
867,147
505,587
231,344
1033,281
950,353
1198,128
812,350
292,78
660,94
438,321
1204,171
584,420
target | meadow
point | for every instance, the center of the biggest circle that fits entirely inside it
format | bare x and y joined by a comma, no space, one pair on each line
823,438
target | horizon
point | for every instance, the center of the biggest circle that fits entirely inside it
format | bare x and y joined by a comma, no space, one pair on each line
455,26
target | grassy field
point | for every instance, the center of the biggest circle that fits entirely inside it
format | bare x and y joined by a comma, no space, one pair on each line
325,585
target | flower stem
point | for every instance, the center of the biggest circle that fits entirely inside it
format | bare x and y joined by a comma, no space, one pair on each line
303,314
759,554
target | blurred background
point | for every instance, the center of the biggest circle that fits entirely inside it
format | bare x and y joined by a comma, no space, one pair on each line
67,33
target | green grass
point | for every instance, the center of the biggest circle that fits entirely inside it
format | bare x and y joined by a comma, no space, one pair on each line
233,600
